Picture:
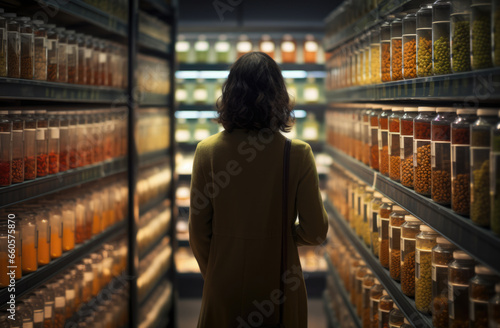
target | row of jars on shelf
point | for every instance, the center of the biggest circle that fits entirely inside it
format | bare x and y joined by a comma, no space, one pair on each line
442,38
34,50
227,51
45,229
72,298
446,153
153,130
348,12
152,226
444,281
37,143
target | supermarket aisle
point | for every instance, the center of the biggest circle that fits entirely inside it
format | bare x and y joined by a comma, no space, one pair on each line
189,309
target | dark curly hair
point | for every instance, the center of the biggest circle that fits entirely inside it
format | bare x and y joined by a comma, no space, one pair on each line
254,96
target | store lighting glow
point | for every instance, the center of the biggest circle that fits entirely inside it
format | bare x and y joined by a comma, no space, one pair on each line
207,75
193,114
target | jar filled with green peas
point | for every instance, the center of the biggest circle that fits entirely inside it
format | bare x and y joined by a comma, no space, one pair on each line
480,34
424,41
460,38
460,271
373,222
426,240
495,179
441,54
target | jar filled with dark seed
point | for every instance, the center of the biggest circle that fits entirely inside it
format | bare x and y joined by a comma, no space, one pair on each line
494,308
460,271
495,179
480,34
13,46
384,309
394,143
406,144
27,47
480,166
383,239
495,31
368,282
460,154
409,231
3,44
441,54
396,317
52,53
426,240
442,255
481,289
422,150
373,222
62,54
460,36
441,155
383,139
424,41
397,219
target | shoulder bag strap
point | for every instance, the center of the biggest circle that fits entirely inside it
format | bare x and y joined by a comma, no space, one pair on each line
284,225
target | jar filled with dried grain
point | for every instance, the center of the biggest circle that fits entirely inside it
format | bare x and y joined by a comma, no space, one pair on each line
40,69
397,218
373,222
383,139
52,53
360,274
424,41
409,231
426,240
375,294
460,271
397,50
13,45
383,239
375,56
441,53
460,38
368,282
384,309
410,46
62,54
366,213
422,150
394,143
385,51
480,34
481,289
374,127
365,132
406,144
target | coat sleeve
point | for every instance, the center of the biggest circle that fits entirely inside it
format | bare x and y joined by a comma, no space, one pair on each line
313,220
200,212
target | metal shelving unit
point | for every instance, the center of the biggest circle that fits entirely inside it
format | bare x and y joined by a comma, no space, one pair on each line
153,99
225,67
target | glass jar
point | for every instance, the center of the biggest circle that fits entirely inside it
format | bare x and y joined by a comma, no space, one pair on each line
441,54
442,256
480,166
13,46
375,67
358,222
89,63
43,236
422,150
59,303
63,140
96,273
361,60
397,50
77,274
47,295
3,44
360,274
494,308
69,222
72,139
96,68
7,254
366,214
29,242
72,50
385,51
52,52
352,64
375,294
62,54
460,36
110,62
88,276
353,185
354,264
42,143
384,308
358,149
368,282
441,155
79,220
410,46
17,143
480,34
394,143
30,144
383,139
424,41
426,240
383,239
56,229
37,304
243,46
103,62
81,64
495,179
460,271
409,231
54,145
406,144
495,31
397,218
222,49
40,50
288,49
373,222
5,149
201,48
396,317
69,286
182,49
481,289
25,312
365,135
460,167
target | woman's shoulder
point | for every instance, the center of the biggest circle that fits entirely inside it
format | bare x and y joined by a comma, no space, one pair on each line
300,146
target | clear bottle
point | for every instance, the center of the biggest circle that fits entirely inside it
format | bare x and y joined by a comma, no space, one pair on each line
406,144
460,36
410,46
494,308
426,240
56,229
383,139
442,256
182,48
29,242
441,53
40,50
52,53
48,296
5,149
424,41
30,144
311,48
397,218
495,179
62,54
383,239
375,204
460,167
384,308
69,222
42,143
61,116
366,60
396,50
376,293
82,63
441,155
360,60
409,231
13,46
3,44
366,137
396,317
201,48
460,271
222,49
288,49
243,46
38,306
368,282
480,34
480,166
43,236
394,143
422,150
375,66
385,51
72,139
481,290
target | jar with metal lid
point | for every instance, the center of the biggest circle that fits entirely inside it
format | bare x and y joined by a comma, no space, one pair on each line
384,308
360,274
394,143
30,144
481,290
375,294
5,149
422,150
40,50
29,242
441,155
72,50
59,302
373,222
374,126
396,317
460,36
43,235
62,54
69,286
13,46
17,145
69,222
48,296
89,64
375,56
365,133
42,143
494,308
54,142
441,53
397,218
480,166
460,271
424,41
409,231
385,51
460,166
396,50
82,64
406,144
442,256
495,179
383,239
383,139
52,53
368,282
410,46
3,44
426,240
366,214
38,307
480,34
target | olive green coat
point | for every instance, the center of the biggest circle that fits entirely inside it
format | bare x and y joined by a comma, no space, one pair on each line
235,227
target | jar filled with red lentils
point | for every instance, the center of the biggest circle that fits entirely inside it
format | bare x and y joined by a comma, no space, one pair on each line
365,133
17,146
396,50
410,46
406,144
383,239
397,218
394,143
72,139
30,144
441,155
409,231
460,167
54,142
374,126
383,139
385,51
422,150
460,271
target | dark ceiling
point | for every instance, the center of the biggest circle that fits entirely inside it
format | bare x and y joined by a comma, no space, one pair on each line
252,15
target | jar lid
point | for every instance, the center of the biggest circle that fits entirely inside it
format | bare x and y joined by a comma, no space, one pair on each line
426,228
397,208
370,189
461,255
398,108
386,200
385,107
497,288
411,109
446,109
481,269
384,292
442,240
376,281
426,109
15,112
411,218
4,112
487,112
40,111
466,111
406,321
378,195
394,306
